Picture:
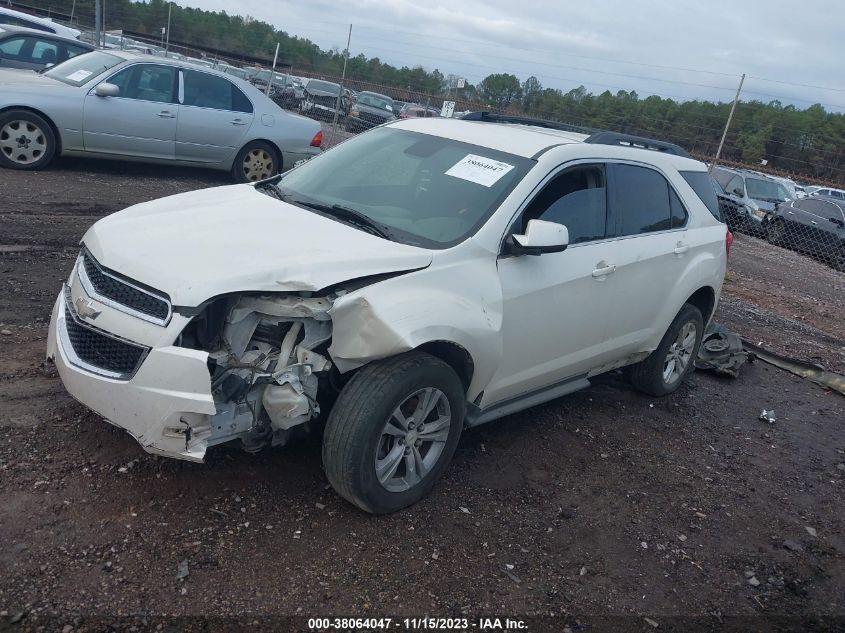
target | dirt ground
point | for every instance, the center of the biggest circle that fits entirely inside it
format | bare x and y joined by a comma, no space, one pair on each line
676,512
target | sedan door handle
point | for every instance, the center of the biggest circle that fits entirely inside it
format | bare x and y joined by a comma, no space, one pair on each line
603,270
791,212
238,122
164,114
681,248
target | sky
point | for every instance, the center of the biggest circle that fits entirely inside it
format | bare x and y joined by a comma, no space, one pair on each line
673,48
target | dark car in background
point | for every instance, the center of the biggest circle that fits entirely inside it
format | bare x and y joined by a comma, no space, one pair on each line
320,99
814,225
415,111
370,109
28,49
749,198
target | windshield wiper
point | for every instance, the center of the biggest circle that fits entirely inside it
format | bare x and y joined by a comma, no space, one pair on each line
271,189
350,215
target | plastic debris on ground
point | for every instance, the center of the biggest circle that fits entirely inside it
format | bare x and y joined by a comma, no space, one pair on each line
722,351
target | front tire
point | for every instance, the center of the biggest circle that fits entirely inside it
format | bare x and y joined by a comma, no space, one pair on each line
667,367
256,161
393,431
775,232
27,141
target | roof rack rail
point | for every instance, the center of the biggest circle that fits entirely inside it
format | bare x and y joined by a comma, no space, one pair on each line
627,140
493,117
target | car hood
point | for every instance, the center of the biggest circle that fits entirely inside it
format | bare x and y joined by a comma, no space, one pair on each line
201,244
321,93
20,78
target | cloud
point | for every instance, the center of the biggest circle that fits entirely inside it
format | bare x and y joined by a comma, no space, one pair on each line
683,49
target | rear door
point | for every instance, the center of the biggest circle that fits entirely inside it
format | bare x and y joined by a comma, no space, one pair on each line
652,250
141,120
214,117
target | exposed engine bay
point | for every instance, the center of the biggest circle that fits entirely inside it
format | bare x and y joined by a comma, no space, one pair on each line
267,358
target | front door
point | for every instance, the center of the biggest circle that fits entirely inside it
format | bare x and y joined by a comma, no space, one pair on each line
555,306
141,120
214,118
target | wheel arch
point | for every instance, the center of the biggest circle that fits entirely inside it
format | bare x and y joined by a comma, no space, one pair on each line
705,300
454,355
44,116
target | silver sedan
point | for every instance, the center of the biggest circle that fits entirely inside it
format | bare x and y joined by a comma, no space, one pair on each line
129,107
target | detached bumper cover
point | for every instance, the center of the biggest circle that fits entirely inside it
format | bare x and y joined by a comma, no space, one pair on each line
165,405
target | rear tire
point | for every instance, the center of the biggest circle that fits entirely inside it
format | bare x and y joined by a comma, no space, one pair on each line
668,366
256,161
27,141
393,431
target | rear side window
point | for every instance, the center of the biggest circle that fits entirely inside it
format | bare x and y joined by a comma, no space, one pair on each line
204,90
12,47
640,200
699,182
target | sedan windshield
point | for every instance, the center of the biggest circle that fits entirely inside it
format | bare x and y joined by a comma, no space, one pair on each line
375,101
426,190
78,70
767,190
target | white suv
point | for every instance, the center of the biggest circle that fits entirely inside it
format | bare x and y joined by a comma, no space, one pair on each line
425,276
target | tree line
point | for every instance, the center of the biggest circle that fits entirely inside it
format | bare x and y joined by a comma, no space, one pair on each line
807,143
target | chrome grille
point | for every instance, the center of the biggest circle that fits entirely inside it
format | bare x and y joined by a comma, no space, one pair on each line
108,287
97,351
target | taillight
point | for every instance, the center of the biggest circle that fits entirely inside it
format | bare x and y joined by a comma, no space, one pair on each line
317,141
729,240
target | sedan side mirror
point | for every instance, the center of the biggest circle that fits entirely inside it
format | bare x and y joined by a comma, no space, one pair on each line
837,222
737,191
106,89
540,237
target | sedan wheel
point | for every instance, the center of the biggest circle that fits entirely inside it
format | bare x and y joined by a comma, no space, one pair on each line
26,140
258,164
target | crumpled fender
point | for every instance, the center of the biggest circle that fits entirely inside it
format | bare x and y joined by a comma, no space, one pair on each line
459,303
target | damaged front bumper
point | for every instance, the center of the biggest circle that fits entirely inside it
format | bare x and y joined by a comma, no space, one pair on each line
166,404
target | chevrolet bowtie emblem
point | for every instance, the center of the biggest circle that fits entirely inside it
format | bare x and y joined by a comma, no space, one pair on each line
85,308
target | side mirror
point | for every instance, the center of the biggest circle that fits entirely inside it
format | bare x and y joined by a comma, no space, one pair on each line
737,191
837,222
540,237
106,89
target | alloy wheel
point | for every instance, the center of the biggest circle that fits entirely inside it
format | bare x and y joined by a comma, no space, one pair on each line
412,440
22,142
258,165
680,354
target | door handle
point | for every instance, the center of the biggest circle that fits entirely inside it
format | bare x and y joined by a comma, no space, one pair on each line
164,114
681,248
603,270
814,222
238,122
791,212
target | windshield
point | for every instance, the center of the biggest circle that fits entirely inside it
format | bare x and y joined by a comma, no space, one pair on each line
767,190
429,191
78,70
323,86
375,101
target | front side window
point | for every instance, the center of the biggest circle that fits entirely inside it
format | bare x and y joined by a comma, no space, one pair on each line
735,186
427,190
83,68
576,198
45,52
204,90
640,200
146,82
73,51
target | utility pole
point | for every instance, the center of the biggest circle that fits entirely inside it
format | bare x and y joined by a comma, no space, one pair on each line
272,71
98,17
103,42
167,42
727,125
72,10
339,99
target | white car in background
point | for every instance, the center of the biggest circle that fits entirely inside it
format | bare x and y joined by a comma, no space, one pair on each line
424,276
17,18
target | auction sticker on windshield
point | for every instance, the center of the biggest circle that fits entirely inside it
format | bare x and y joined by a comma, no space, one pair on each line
480,170
79,75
